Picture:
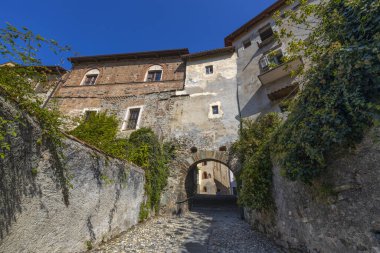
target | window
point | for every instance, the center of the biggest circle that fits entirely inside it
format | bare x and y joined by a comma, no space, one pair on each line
247,43
266,33
209,70
204,189
204,175
215,109
204,163
271,60
90,77
133,117
154,74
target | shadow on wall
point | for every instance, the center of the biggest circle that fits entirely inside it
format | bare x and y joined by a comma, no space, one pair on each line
258,103
16,178
189,182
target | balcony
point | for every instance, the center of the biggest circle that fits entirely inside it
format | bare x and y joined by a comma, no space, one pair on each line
280,71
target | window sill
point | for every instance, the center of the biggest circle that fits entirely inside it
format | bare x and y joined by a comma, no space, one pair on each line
265,42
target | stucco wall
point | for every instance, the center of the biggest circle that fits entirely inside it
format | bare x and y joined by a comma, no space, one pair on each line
192,115
346,220
252,94
104,194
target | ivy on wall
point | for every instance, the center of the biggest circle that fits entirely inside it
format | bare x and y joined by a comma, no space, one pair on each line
337,104
340,89
253,149
143,148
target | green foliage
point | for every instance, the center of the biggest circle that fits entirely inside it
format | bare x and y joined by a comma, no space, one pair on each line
340,89
34,171
100,130
253,147
16,82
89,245
146,151
142,148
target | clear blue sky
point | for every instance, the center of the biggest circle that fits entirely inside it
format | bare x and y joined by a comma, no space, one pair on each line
121,26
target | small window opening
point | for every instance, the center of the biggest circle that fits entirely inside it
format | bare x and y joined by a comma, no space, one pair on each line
133,117
204,189
204,175
154,76
215,109
90,79
204,163
247,43
209,70
266,33
271,60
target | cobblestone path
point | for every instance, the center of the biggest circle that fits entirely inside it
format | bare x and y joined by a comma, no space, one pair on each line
196,232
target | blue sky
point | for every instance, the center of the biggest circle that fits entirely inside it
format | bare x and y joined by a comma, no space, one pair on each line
121,26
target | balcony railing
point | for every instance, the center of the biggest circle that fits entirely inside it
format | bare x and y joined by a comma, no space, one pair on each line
280,71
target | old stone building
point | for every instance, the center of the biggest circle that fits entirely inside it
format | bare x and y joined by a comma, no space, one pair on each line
136,87
264,80
208,112
53,76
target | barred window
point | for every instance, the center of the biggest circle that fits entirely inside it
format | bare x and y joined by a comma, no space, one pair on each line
133,118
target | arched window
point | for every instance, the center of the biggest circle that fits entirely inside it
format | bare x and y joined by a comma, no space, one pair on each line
154,74
204,189
90,77
204,175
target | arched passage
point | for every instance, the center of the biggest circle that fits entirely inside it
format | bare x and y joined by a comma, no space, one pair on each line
209,177
175,196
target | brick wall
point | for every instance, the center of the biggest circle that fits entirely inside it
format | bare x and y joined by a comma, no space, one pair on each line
121,84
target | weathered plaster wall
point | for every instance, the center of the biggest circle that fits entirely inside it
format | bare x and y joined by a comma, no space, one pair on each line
252,94
35,216
346,221
192,116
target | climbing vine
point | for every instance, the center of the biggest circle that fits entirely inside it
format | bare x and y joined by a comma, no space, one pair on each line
253,147
17,79
340,88
143,148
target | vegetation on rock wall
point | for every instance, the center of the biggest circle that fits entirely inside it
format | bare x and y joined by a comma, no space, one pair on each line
337,102
142,148
340,89
253,147
17,81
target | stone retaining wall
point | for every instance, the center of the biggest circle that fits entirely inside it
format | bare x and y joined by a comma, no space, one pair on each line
46,209
341,216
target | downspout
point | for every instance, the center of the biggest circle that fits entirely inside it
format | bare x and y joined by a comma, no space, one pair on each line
237,98
60,81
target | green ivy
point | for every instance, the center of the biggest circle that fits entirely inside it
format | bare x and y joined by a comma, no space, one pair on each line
253,147
143,148
340,89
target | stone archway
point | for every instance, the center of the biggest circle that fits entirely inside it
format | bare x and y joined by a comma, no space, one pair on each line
175,195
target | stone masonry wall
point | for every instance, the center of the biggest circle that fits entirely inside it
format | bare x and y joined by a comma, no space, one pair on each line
345,221
37,215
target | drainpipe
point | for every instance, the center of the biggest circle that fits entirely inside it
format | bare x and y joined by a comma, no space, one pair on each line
60,81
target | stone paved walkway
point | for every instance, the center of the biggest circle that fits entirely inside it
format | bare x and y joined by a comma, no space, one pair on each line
196,232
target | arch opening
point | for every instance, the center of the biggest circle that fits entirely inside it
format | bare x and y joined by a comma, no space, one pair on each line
210,177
